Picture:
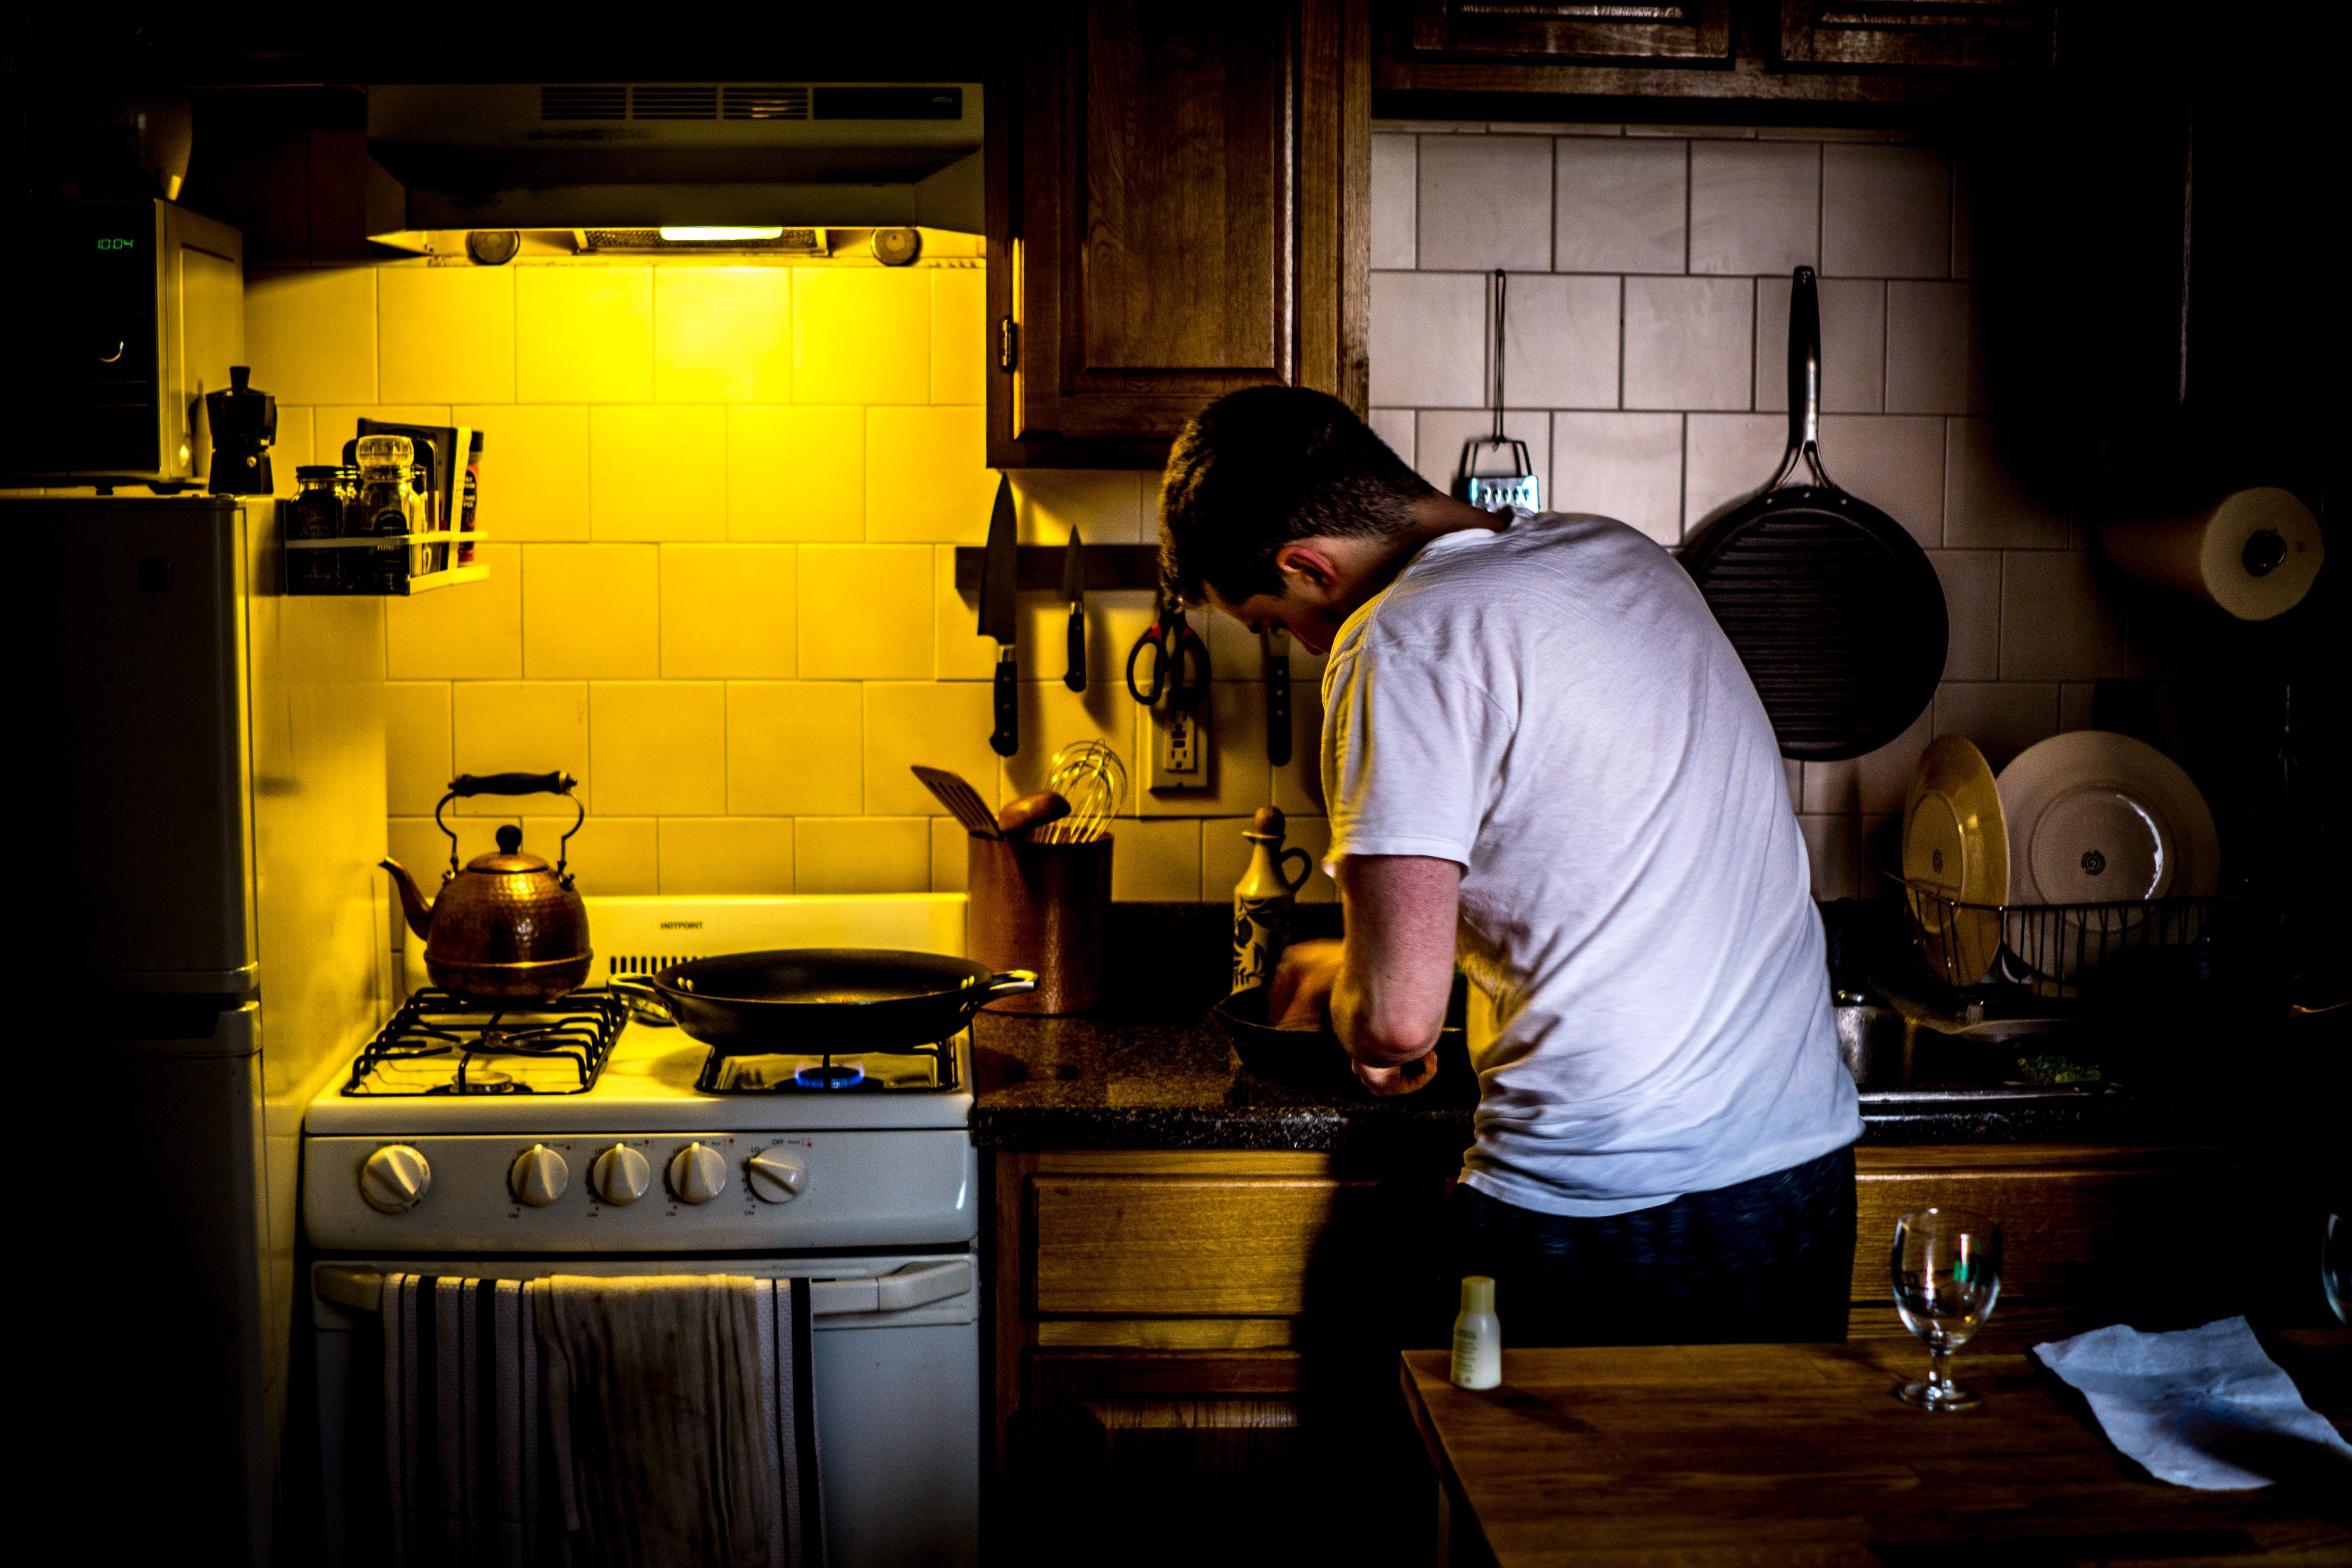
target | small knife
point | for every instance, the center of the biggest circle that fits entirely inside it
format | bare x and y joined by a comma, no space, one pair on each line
1275,644
1000,580
1073,588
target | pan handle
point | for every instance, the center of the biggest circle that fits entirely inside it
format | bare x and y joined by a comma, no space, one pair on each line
646,1004
1804,381
1011,982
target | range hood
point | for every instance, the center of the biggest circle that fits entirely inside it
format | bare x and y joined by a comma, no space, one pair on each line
650,155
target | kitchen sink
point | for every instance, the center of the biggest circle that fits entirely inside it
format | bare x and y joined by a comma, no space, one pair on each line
1899,1053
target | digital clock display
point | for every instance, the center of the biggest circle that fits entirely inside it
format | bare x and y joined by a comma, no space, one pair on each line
117,244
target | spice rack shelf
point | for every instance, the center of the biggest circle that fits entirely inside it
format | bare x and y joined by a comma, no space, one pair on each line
409,583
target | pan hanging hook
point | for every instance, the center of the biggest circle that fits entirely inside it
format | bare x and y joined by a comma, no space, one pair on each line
1518,487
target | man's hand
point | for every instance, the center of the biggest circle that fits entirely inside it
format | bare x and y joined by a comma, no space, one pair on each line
1414,1074
1300,997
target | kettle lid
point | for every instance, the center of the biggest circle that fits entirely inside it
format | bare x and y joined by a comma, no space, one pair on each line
508,856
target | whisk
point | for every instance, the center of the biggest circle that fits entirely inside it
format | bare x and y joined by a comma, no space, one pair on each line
1089,775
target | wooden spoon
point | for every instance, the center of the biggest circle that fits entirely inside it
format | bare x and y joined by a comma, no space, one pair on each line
1032,811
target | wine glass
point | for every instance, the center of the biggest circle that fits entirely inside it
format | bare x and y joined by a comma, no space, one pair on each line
2336,1266
1947,1273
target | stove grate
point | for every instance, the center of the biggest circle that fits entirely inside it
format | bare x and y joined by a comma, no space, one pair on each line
445,1045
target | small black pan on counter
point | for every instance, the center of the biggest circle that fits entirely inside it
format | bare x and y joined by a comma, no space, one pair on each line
1830,604
812,1000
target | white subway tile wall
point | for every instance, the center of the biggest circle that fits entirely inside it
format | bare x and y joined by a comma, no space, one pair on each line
1646,362
720,505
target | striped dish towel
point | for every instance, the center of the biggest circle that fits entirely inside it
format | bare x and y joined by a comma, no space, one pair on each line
463,1454
641,1420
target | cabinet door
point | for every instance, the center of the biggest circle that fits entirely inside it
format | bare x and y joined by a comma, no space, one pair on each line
1877,34
1175,214
1656,32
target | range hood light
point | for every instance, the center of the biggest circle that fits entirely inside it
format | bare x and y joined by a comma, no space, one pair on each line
706,232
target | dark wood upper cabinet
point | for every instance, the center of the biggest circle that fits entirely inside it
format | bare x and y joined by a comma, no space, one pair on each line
1177,209
1869,34
1577,29
1441,57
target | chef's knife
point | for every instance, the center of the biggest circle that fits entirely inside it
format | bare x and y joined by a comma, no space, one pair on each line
1000,579
1274,643
1073,588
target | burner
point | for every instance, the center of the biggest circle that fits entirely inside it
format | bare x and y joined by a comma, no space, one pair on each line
924,1068
444,1045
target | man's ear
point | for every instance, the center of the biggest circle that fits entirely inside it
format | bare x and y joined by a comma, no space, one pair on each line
1307,571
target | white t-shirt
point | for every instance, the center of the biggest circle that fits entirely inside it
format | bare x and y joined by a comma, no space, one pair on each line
1552,706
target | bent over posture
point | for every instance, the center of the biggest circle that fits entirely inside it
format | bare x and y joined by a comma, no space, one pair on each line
1543,761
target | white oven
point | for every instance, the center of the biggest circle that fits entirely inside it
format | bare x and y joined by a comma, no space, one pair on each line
898,1392
575,1140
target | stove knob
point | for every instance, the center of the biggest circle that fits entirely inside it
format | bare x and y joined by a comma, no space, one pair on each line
777,1175
620,1175
538,1176
395,1179
698,1174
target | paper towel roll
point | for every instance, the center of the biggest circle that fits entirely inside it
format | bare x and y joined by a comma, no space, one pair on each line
2255,553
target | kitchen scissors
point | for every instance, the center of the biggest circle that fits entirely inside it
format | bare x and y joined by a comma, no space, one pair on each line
1178,665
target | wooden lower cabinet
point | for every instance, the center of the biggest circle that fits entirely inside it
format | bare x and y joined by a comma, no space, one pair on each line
1195,1352
1196,1356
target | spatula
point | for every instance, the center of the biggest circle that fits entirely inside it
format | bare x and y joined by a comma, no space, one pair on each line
962,801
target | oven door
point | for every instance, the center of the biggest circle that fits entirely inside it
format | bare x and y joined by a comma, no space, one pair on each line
897,1347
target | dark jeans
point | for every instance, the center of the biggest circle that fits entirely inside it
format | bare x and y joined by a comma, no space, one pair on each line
1769,1259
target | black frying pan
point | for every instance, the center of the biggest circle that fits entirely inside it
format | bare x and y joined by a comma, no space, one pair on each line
1830,604
807,1000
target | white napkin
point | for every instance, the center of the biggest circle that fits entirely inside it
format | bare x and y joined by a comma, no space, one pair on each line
2183,1404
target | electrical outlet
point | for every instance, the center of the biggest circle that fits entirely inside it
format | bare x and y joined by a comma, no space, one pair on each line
1180,749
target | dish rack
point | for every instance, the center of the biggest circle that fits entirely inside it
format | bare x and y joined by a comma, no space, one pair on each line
2065,951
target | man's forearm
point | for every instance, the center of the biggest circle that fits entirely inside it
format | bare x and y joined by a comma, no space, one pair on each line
1397,972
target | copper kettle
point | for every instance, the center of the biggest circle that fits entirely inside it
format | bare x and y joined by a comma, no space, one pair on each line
507,927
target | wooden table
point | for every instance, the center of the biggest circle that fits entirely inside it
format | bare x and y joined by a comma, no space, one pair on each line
1799,1454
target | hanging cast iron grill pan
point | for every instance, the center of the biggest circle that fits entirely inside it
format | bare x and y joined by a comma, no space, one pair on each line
1830,604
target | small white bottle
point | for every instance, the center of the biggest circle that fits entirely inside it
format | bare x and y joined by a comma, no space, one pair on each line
1477,1336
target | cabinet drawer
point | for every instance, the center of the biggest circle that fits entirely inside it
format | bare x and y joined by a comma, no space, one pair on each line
2071,1221
1139,1247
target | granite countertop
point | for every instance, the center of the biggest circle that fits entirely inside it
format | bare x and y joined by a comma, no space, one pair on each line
1111,1082
1150,1068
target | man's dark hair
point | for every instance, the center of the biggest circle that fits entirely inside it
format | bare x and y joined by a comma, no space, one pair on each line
1260,468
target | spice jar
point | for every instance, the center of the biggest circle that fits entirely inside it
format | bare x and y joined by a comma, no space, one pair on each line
323,494
388,500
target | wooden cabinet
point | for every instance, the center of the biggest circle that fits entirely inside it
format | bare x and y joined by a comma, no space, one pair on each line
1196,1353
1666,30
1178,205
1881,34
1192,1349
1467,58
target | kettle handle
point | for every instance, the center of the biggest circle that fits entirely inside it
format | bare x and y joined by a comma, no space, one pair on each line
466,785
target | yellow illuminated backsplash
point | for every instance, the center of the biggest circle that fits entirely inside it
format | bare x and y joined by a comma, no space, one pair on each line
722,504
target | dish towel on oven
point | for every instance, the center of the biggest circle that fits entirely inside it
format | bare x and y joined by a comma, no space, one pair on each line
462,1432
676,1422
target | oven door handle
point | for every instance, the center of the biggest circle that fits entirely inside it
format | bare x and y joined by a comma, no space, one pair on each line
916,1285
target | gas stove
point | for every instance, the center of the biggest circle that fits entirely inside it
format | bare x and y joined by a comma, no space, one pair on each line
438,1044
578,1126
581,1138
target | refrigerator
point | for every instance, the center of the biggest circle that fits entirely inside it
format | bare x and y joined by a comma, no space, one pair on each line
203,919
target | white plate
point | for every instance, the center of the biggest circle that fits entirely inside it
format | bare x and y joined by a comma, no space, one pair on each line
2097,817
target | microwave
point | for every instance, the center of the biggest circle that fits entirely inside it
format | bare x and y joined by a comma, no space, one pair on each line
130,312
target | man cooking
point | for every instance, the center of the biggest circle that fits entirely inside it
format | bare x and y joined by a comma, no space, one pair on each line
1543,759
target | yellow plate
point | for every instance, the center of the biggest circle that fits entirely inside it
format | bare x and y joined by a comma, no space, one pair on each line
1956,841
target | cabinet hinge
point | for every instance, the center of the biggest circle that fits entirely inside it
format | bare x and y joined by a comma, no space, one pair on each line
1008,344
